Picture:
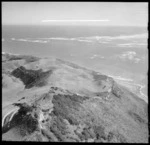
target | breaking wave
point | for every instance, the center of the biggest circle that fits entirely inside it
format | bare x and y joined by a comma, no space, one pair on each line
29,40
100,39
132,44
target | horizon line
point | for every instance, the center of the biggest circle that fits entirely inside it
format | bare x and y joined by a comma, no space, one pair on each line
104,20
59,24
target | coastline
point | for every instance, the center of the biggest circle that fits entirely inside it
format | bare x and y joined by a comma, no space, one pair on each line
135,88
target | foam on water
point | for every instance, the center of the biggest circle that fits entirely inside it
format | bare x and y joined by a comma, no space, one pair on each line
100,39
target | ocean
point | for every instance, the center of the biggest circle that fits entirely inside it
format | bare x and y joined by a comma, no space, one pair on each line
117,51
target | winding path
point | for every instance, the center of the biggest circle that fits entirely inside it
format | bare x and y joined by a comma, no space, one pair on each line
12,113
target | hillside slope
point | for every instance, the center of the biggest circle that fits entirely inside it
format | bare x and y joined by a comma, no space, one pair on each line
48,99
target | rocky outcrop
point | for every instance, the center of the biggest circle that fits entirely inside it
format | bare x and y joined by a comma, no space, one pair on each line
116,90
68,120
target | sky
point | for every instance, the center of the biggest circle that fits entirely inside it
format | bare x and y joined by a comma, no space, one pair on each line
75,13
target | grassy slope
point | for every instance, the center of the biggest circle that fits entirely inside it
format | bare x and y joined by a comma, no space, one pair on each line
73,104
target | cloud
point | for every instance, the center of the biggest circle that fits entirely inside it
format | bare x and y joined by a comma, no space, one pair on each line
132,44
103,20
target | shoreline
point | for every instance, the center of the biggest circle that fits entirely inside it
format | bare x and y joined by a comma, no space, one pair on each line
128,82
123,81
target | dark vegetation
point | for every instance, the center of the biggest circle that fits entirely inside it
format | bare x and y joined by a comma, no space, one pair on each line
23,121
100,133
119,137
49,135
66,105
88,132
110,136
57,131
98,78
136,117
31,78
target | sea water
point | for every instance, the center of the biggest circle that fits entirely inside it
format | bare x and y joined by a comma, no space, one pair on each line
117,51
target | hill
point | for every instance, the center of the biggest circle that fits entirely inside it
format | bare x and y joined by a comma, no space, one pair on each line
48,99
